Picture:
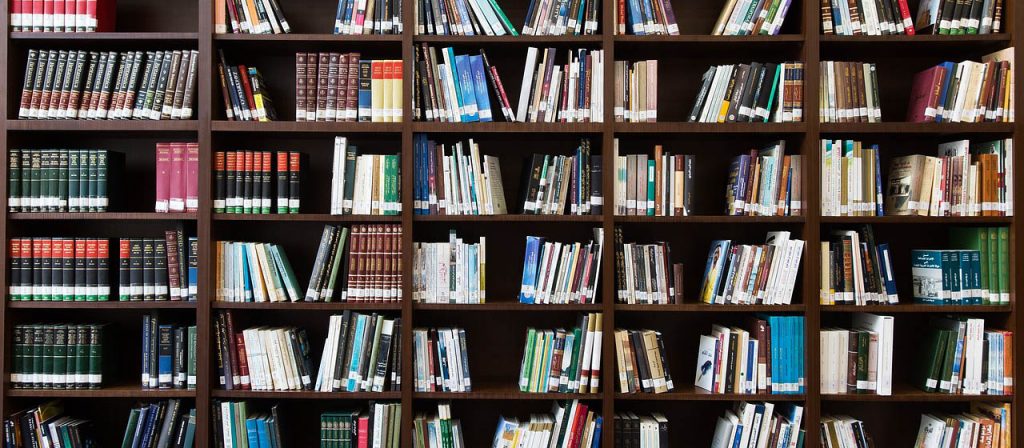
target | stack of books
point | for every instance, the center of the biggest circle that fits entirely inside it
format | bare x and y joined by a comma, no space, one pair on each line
362,354
642,362
851,179
45,424
755,92
177,177
563,185
954,431
462,18
159,424
61,180
858,360
841,431
661,184
57,356
564,93
992,246
960,181
456,179
168,355
249,17
235,425
767,182
109,85
449,272
342,87
452,88
962,357
749,17
364,184
353,428
748,274
441,360
561,273
245,96
60,269
766,357
64,16
636,91
856,270
760,425
438,430
642,431
848,93
965,92
570,424
563,360
955,277
870,18
548,18
254,272
645,273
244,182
369,255
948,17
645,17
262,358
371,17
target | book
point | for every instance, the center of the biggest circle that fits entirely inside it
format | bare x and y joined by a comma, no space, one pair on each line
641,430
754,92
360,354
851,179
254,272
450,272
742,18
760,425
64,180
970,274
658,184
262,358
568,423
177,177
564,93
849,93
856,269
645,273
752,274
464,18
59,269
636,91
441,360
354,428
765,182
560,273
46,423
154,269
858,359
168,355
109,85
548,18
964,92
949,18
870,18
164,422
439,429
364,184
561,185
988,269
563,360
59,16
335,87
257,182
57,356
961,356
757,358
642,362
987,420
371,17
249,17
245,95
458,179
645,18
454,87
844,431
237,423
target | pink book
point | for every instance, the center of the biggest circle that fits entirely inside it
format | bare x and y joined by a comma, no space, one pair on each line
70,16
81,15
58,15
920,108
177,180
192,177
16,19
364,431
48,15
163,183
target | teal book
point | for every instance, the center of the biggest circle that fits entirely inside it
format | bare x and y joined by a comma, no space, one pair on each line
927,276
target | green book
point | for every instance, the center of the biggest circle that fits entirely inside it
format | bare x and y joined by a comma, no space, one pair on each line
49,180
1004,265
26,180
863,349
650,187
504,19
974,238
36,181
290,282
74,166
60,356
95,356
93,183
36,356
71,369
129,432
83,179
948,356
102,162
62,180
191,368
18,358
14,180
336,263
524,369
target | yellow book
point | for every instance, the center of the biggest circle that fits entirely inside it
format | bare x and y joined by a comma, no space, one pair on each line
377,91
396,92
387,93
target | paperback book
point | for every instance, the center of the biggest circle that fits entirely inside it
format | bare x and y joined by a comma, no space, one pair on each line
563,360
755,92
560,273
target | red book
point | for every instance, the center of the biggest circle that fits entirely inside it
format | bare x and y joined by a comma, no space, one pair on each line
232,353
15,254
102,265
908,22
91,262
920,108
163,182
48,15
363,431
100,14
80,15
576,425
58,15
247,89
177,179
124,254
70,16
16,19
192,176
37,15
243,362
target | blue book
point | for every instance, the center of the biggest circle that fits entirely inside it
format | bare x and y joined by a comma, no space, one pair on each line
146,322
976,277
337,17
193,268
879,206
357,347
886,261
365,93
946,80
140,429
243,254
636,17
528,290
467,28
165,355
966,276
929,277
598,423
483,101
190,429
148,432
452,72
474,287
465,84
263,432
713,270
251,432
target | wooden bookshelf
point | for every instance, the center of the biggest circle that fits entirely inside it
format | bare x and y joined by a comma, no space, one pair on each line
495,330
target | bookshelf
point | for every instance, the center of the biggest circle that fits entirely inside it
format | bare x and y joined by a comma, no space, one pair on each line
496,328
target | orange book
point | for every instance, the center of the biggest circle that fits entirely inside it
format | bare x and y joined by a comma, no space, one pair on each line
220,13
780,207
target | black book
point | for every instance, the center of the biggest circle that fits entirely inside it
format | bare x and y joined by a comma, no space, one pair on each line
636,339
346,317
742,83
702,94
396,357
247,184
768,82
67,281
596,185
135,269
730,370
744,110
57,269
323,249
148,269
149,72
296,163
265,183
217,427
160,270
531,184
282,177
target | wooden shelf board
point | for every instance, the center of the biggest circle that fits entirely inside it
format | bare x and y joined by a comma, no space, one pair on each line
104,125
304,395
122,391
712,219
509,218
907,393
508,127
942,220
507,39
106,36
107,305
710,39
319,306
916,128
681,127
915,39
502,391
507,306
916,308
311,217
692,393
305,127
104,216
308,37
705,308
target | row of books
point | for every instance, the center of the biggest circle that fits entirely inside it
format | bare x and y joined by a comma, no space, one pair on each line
950,17
555,272
440,360
352,428
548,18
364,184
262,358
870,18
563,93
987,424
858,359
60,269
332,86
755,92
563,360
641,431
456,179
452,271
645,17
158,269
234,425
765,182
661,184
177,177
974,276
751,17
563,185
839,431
109,85
61,180
57,356
63,16
168,355
993,268
453,88
636,91
372,264
569,424
46,425
254,272
362,354
962,357
760,425
752,273
161,424
645,273
642,363
437,430
370,17
765,357
848,92
462,18
856,270
257,182
249,17
964,92
245,96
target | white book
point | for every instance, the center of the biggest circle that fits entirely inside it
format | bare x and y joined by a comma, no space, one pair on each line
883,325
